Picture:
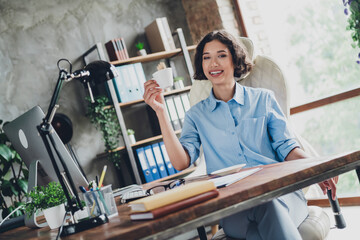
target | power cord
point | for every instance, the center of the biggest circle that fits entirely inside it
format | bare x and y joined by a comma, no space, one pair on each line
21,206
61,227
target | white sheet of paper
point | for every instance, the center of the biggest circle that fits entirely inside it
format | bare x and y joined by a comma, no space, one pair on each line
225,181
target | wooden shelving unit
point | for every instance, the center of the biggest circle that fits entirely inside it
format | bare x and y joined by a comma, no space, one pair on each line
119,107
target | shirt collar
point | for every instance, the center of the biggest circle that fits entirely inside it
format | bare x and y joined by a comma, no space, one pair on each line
238,97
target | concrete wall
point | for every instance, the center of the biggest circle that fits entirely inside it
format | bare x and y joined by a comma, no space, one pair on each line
35,34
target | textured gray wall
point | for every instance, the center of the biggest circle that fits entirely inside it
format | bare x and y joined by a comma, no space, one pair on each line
35,34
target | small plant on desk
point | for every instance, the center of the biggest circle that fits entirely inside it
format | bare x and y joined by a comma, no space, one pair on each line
43,197
50,199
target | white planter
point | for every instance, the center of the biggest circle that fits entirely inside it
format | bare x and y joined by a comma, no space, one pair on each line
142,52
55,216
132,139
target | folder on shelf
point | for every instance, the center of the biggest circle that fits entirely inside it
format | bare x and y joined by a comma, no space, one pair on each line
175,121
120,49
112,50
144,165
151,161
124,47
116,90
171,170
185,101
140,76
156,36
159,160
179,108
133,78
121,88
168,33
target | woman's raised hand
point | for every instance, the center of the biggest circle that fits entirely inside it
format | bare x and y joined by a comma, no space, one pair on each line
153,96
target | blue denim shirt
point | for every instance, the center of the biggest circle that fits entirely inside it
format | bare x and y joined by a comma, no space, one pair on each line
250,129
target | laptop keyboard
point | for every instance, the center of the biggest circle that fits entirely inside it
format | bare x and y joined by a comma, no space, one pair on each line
133,195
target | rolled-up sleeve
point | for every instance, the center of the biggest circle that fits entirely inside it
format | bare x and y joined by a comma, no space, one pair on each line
282,139
190,139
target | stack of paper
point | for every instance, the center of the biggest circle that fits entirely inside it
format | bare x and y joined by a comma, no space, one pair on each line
232,178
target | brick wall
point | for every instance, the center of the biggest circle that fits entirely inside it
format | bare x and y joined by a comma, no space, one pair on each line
208,15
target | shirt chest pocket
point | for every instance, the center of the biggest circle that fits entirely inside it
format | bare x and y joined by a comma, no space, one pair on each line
253,132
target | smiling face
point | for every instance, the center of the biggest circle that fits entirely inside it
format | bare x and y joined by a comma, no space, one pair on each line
217,63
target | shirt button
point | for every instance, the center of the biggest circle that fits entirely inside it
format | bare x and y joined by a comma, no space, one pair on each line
233,133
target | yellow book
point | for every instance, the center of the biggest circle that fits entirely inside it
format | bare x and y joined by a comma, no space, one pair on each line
171,196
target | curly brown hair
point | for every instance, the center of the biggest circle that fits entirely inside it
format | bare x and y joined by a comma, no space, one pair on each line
241,61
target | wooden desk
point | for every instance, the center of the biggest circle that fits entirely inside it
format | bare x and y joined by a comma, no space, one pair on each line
271,182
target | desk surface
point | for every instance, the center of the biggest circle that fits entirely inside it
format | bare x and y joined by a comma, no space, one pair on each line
272,181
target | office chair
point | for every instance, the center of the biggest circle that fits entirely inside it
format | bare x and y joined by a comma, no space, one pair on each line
267,74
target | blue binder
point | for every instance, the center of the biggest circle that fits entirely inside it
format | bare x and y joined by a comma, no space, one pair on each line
144,165
171,170
159,160
151,161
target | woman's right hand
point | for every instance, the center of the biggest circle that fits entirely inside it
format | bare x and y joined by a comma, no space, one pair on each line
153,96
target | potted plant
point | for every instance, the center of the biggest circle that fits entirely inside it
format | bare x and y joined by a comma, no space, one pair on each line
105,120
140,48
131,134
179,82
352,10
50,199
13,178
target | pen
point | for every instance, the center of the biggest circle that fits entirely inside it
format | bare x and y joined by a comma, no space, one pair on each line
96,201
103,201
83,190
102,176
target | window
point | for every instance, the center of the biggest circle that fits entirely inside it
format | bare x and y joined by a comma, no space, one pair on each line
308,39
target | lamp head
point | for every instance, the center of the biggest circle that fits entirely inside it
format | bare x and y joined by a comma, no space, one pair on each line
100,72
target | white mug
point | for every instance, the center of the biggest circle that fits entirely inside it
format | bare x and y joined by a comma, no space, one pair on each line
164,78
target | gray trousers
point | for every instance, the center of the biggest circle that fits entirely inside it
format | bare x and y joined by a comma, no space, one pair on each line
274,220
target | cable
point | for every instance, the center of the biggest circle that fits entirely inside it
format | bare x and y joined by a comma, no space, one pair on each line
61,227
11,214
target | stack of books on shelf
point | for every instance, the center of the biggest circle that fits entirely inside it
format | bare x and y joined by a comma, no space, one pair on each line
172,200
129,85
159,35
116,49
177,106
155,162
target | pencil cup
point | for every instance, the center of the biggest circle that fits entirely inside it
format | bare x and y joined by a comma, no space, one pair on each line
101,201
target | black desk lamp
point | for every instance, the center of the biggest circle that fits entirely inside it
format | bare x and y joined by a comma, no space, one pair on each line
94,73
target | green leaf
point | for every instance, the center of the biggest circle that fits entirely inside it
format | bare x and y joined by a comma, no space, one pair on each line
5,152
25,172
22,185
8,189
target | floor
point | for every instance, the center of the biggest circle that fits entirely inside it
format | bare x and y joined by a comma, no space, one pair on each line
351,232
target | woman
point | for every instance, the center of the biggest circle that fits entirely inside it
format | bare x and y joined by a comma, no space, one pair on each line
235,124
